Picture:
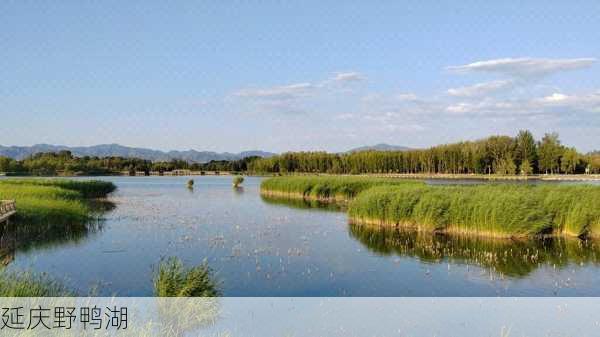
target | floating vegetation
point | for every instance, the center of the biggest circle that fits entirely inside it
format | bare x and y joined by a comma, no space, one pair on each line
54,200
513,258
237,181
173,279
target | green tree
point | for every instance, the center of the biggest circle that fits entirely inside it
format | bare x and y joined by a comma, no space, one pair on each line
526,168
550,151
526,149
570,160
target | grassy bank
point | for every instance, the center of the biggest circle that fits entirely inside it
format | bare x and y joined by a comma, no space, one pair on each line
499,210
53,200
325,188
491,210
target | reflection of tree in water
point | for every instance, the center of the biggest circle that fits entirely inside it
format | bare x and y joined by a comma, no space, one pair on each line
22,237
515,258
303,203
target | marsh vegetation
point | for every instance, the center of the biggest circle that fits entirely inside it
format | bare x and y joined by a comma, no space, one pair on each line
53,200
502,210
173,279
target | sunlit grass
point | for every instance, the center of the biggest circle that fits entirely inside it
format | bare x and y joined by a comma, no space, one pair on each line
53,201
495,210
173,279
339,188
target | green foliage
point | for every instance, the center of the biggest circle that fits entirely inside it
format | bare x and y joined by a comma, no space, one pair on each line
53,201
496,154
494,209
550,151
29,285
525,168
237,181
325,187
525,149
172,279
64,163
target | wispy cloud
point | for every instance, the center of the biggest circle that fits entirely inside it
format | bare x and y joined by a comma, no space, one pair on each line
293,98
481,89
349,77
278,92
524,67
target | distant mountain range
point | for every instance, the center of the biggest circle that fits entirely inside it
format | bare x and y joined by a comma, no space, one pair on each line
116,150
381,147
107,150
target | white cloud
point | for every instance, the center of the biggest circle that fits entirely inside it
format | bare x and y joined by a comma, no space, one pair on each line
481,89
348,77
555,97
524,67
278,92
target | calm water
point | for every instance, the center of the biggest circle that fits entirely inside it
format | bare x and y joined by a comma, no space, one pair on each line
262,247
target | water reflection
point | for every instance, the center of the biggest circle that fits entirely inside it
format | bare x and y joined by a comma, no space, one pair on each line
303,203
514,258
23,237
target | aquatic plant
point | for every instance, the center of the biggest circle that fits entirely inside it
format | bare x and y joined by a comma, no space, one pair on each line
173,279
332,188
53,201
502,210
86,188
237,181
25,284
496,210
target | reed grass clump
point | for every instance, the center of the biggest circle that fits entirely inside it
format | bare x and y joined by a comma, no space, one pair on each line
503,210
53,201
25,284
237,181
328,188
173,279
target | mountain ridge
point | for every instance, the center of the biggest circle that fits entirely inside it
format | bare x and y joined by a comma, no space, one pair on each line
117,150
380,147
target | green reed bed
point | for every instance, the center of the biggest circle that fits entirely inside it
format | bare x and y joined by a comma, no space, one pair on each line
503,210
173,279
53,201
332,188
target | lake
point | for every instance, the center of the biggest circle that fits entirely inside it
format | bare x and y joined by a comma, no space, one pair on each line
260,247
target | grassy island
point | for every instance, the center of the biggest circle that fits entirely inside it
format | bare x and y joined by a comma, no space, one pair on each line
44,201
497,210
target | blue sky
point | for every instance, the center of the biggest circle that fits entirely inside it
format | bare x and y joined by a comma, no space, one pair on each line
313,75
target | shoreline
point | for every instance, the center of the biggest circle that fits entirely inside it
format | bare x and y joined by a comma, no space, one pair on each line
410,176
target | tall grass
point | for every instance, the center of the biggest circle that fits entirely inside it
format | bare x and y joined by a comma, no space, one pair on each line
53,201
332,188
86,188
496,210
25,284
173,279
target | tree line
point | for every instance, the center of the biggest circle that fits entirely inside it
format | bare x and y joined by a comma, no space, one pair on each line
501,155
65,163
